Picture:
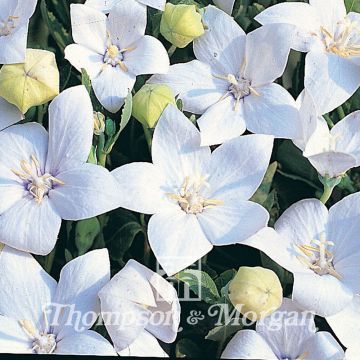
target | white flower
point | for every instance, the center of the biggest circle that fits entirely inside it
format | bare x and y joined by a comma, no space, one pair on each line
332,38
199,199
14,23
353,353
106,5
331,152
225,5
114,50
346,326
288,333
9,114
232,85
320,247
45,177
31,319
149,309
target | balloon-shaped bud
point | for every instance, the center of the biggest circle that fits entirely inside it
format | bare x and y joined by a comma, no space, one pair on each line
150,101
181,24
32,83
99,123
255,292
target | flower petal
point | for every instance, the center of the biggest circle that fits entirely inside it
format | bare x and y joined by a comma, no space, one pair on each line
195,84
85,343
29,226
13,46
232,222
274,112
13,338
145,345
156,4
140,188
223,44
80,281
323,346
177,240
112,86
101,5
176,148
25,288
345,324
70,131
83,58
221,122
248,344
238,166
322,294
127,23
148,57
89,190
9,114
88,27
330,79
267,42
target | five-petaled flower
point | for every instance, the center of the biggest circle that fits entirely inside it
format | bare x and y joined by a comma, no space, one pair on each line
45,177
106,5
332,39
114,50
199,198
231,84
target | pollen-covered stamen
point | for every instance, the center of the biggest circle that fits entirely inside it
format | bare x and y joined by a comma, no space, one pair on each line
36,183
345,41
43,343
239,88
318,258
190,196
8,25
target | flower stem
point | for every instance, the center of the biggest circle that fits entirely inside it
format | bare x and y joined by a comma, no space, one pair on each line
327,193
148,136
171,50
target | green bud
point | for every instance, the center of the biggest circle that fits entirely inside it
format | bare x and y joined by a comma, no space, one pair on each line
85,233
99,123
255,292
150,101
181,24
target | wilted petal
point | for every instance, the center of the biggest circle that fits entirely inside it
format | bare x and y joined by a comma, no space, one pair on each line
148,57
70,130
89,190
177,240
85,343
248,344
222,122
273,112
223,44
112,86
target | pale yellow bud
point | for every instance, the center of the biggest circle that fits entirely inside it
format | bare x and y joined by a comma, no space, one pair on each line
32,83
255,292
150,101
99,123
181,24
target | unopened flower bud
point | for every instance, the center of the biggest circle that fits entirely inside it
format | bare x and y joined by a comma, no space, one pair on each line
181,24
99,123
255,292
32,83
150,101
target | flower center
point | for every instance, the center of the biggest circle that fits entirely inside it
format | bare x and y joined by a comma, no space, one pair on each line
7,26
43,343
191,197
345,41
318,258
36,183
239,88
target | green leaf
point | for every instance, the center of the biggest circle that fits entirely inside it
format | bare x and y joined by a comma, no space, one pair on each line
263,191
222,332
123,239
85,233
68,255
85,80
201,284
187,348
92,159
224,278
352,5
57,31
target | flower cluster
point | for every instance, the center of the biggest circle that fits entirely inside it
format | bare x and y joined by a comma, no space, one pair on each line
169,134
